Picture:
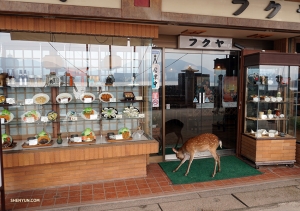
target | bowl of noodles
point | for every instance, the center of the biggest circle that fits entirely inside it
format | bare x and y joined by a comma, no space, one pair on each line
40,99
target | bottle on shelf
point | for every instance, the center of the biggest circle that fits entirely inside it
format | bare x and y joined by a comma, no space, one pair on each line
20,78
12,79
25,79
59,139
8,78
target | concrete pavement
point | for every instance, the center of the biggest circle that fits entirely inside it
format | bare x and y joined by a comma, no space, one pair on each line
282,195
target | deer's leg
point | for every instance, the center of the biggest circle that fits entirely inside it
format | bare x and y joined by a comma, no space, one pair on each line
182,161
216,157
190,163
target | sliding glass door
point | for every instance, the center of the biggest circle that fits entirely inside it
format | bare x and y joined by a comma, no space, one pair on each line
200,97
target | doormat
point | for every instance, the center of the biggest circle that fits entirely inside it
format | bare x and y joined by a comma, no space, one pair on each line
201,170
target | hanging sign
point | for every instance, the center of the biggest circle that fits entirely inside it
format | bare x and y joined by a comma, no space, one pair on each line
205,42
155,76
155,99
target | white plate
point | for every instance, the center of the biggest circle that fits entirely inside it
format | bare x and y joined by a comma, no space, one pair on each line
105,93
87,94
82,115
11,118
63,96
24,120
35,98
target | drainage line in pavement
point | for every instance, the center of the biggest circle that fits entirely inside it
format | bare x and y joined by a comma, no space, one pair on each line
239,200
160,207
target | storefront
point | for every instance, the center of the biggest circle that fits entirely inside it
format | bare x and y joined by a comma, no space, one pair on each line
115,48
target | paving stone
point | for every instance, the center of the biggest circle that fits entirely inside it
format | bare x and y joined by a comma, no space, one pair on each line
269,196
287,206
220,203
247,188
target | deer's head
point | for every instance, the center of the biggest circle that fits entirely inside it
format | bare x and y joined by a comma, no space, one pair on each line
178,153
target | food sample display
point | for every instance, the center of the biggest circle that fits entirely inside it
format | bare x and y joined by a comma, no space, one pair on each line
43,137
88,135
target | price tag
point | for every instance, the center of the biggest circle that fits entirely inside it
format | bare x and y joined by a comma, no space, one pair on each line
77,139
2,120
64,100
87,100
73,118
44,118
28,101
29,119
119,136
10,100
141,115
119,116
33,142
112,99
93,116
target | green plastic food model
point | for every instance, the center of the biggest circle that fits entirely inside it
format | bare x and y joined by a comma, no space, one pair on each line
4,137
125,132
88,110
5,112
87,132
43,133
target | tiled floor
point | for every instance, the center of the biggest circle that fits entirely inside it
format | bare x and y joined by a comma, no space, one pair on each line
154,184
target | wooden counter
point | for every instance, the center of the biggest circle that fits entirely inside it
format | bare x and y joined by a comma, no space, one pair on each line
269,151
40,168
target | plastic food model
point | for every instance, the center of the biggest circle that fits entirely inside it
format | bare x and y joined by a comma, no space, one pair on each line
87,112
88,135
43,138
6,140
5,114
131,111
126,133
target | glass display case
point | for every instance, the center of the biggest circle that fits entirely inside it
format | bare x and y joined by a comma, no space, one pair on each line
50,89
271,84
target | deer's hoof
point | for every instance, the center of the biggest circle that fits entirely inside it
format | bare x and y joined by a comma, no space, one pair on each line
174,170
185,174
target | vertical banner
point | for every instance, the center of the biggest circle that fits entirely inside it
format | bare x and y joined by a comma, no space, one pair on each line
155,99
155,76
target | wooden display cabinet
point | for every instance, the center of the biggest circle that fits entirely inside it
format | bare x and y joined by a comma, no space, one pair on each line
269,135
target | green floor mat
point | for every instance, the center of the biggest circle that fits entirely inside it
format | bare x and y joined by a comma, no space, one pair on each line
201,170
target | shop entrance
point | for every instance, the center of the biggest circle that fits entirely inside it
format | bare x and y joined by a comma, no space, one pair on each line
200,97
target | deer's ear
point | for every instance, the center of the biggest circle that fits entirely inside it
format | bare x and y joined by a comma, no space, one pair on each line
174,150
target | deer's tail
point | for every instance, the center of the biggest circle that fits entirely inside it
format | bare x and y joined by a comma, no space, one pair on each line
220,143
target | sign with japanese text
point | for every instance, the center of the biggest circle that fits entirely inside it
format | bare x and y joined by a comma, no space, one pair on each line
204,42
155,99
155,76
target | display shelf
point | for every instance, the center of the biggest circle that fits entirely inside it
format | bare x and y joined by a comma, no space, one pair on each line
273,76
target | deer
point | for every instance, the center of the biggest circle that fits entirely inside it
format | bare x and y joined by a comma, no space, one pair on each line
200,143
174,125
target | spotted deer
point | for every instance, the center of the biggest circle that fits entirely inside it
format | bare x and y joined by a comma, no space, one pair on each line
200,143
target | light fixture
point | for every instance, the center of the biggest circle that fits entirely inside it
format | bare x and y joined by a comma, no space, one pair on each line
238,46
128,42
219,64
